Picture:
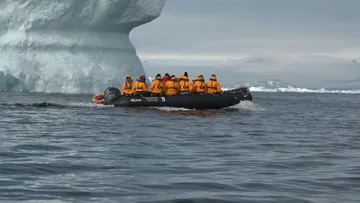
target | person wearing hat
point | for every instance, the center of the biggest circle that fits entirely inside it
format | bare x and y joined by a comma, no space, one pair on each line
157,85
213,86
199,85
126,88
140,86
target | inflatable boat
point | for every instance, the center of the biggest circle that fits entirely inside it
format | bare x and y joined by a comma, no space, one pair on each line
112,96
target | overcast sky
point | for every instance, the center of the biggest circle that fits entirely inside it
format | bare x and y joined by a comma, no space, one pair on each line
303,42
226,29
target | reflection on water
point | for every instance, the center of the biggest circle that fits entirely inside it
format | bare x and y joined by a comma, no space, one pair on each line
169,111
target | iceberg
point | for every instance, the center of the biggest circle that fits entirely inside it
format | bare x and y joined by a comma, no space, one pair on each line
70,46
3,85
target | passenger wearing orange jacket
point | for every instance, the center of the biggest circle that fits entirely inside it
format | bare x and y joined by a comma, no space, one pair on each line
140,85
199,85
178,78
127,86
171,87
166,77
157,85
213,86
185,85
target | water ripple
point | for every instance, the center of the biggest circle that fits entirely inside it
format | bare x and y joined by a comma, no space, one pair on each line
285,148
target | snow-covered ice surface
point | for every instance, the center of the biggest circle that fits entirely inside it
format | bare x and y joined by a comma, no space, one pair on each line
279,86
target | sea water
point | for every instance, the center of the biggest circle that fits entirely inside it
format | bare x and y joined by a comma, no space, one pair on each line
282,147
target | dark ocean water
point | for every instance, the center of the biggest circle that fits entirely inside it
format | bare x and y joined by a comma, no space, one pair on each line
283,147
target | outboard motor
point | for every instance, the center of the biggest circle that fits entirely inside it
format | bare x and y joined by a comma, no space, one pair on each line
246,92
242,90
111,94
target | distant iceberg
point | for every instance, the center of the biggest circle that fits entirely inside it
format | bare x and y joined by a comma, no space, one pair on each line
279,86
70,46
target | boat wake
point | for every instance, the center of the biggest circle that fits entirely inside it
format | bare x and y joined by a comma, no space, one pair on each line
55,105
88,105
191,200
169,109
247,106
243,106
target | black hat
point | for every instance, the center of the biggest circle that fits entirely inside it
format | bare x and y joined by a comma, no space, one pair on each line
158,75
185,74
167,74
213,75
201,76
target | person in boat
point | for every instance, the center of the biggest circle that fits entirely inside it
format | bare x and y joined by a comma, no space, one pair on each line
185,85
213,86
180,76
126,88
157,86
166,77
140,86
199,85
171,87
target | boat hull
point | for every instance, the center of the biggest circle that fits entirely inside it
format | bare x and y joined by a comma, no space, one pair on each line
206,101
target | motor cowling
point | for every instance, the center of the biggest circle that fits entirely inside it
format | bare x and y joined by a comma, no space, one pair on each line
242,90
246,92
111,94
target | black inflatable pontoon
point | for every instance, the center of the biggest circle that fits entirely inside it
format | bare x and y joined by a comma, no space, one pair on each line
112,96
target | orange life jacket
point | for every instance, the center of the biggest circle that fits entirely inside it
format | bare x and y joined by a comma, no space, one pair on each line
127,86
199,85
140,86
171,87
213,86
157,86
185,84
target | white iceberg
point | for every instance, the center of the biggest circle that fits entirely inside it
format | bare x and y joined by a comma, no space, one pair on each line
3,86
71,46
